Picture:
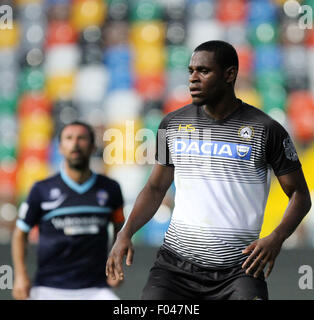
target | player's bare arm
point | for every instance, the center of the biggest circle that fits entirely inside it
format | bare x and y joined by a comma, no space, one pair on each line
116,228
264,251
146,205
114,283
22,284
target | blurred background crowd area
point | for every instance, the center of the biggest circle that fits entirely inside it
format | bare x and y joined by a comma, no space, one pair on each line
109,62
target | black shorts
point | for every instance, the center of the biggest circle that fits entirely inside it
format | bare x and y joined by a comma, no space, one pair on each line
174,278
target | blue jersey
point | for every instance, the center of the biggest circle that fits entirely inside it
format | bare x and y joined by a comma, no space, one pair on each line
73,237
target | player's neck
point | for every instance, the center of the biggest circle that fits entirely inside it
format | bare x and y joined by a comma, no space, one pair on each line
223,108
79,176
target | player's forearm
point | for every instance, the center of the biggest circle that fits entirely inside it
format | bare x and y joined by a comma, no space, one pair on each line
116,228
299,205
19,252
146,205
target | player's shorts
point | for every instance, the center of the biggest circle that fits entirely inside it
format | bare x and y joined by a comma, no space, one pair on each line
175,278
48,293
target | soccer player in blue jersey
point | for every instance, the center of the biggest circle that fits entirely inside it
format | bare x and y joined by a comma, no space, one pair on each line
72,209
219,152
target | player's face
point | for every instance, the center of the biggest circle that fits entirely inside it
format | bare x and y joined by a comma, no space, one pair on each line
207,82
76,146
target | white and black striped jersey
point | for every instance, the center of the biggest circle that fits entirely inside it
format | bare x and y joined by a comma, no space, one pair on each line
222,179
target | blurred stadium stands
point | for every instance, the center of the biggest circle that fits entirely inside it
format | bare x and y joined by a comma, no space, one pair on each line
108,62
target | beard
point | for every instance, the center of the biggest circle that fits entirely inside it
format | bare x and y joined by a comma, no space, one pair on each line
78,164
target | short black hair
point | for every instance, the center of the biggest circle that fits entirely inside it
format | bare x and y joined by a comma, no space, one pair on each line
224,53
83,124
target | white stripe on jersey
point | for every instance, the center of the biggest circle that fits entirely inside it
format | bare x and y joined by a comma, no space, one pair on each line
207,246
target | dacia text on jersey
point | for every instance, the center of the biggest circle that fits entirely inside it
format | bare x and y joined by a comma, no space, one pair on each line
213,148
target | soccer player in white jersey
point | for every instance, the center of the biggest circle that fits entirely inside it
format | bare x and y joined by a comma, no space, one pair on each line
72,209
219,152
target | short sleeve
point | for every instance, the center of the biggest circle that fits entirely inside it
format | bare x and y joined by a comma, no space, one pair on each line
30,210
280,150
162,155
118,197
117,213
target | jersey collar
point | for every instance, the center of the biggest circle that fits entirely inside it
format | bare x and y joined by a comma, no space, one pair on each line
240,103
79,188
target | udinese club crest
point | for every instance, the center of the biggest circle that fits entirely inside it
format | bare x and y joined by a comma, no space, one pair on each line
246,132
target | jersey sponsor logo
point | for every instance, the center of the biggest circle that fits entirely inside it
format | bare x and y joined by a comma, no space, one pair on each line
290,151
213,148
246,132
79,225
188,128
51,205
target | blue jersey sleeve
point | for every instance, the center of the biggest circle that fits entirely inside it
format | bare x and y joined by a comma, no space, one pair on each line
30,210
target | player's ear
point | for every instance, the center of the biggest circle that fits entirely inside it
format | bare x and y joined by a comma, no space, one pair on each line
60,148
231,74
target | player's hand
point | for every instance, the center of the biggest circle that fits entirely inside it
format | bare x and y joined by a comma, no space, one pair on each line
261,252
114,283
122,247
21,287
